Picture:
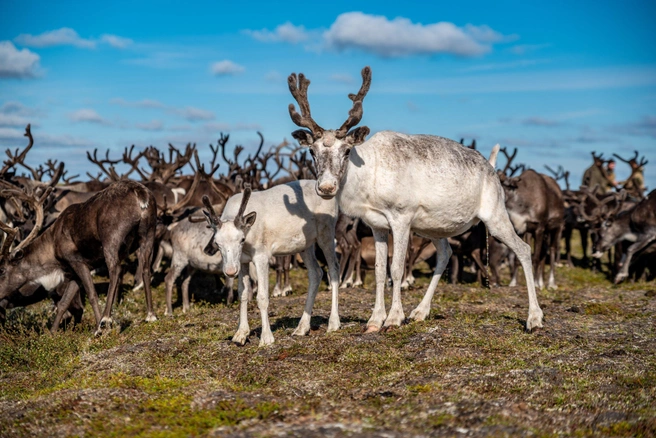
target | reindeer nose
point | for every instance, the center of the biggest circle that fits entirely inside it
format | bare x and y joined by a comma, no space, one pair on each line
230,271
327,188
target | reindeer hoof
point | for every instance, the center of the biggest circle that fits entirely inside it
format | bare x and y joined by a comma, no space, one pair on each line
240,338
534,322
418,315
151,317
372,329
620,278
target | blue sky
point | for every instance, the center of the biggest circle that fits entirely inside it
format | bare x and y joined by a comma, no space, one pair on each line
555,79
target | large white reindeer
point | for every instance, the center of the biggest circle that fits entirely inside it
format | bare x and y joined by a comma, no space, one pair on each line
422,183
291,218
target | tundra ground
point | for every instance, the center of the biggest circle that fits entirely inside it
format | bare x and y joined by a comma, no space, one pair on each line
469,370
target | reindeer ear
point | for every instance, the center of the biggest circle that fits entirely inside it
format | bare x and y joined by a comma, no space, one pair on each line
303,136
211,248
249,219
357,136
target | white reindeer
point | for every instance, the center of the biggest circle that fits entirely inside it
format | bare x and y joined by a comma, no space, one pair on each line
291,218
424,183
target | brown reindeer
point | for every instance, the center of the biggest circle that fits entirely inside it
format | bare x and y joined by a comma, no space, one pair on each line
101,229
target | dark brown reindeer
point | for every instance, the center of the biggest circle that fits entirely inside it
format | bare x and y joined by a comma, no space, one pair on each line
535,205
637,225
101,229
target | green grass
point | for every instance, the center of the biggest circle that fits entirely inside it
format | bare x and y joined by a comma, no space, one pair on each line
589,372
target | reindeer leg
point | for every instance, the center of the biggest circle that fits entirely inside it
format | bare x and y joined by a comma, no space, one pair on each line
277,289
177,265
401,234
185,289
379,314
146,245
262,267
83,273
114,268
554,257
567,234
444,252
631,250
287,288
500,227
245,290
314,274
72,289
327,245
357,267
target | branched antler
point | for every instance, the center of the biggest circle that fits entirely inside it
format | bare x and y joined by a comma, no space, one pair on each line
355,114
110,172
19,158
298,87
509,158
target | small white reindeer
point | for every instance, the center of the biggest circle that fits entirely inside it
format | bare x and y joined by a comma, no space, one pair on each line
291,218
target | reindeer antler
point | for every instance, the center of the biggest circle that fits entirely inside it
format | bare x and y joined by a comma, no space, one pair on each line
244,200
19,158
298,87
37,204
355,114
633,162
212,218
509,158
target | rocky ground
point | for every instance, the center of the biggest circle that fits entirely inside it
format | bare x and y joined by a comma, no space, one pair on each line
470,370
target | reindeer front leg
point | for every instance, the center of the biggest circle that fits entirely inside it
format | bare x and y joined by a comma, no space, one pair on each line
243,289
379,314
624,272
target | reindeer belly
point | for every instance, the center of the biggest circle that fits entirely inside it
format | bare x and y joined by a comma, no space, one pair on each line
206,263
292,243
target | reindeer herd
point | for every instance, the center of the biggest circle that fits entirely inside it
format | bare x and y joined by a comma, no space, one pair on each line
384,203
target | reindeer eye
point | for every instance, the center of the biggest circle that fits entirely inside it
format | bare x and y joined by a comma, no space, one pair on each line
243,240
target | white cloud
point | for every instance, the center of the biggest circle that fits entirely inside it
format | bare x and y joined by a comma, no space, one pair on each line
116,41
214,127
87,115
194,114
144,103
401,37
274,76
13,120
153,125
69,37
11,136
17,108
286,33
189,113
539,121
161,60
342,78
644,127
60,37
506,65
226,68
16,63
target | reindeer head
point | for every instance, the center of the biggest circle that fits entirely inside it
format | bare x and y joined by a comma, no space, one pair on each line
229,236
12,276
329,148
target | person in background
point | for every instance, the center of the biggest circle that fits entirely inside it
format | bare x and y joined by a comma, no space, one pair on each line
611,182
